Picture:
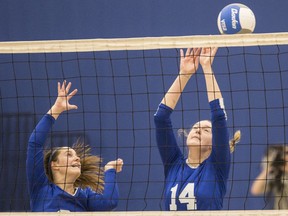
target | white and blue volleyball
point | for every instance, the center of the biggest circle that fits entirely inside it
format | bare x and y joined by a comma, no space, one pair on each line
236,19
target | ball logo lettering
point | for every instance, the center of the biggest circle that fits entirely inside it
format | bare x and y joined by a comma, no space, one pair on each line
234,21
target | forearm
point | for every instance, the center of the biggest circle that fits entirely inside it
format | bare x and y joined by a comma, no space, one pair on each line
111,191
172,96
259,186
213,90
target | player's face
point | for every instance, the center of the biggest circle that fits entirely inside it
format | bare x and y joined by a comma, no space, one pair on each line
200,135
68,163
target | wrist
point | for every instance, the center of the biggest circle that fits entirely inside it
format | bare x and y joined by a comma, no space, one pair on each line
184,75
207,67
55,111
108,167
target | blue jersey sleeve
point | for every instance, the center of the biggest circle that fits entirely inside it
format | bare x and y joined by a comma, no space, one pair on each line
36,176
109,199
166,141
220,155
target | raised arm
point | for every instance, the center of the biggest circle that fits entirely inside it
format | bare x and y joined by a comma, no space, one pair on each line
188,66
220,154
206,60
261,184
34,162
165,137
108,200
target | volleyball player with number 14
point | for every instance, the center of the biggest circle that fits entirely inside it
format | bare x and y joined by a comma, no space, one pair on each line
199,181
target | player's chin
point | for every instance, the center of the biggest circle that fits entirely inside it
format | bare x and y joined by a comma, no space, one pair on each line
195,144
77,175
75,172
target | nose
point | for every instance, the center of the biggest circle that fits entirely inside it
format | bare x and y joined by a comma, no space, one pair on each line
197,130
77,158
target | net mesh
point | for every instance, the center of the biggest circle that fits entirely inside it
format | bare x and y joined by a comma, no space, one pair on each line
120,83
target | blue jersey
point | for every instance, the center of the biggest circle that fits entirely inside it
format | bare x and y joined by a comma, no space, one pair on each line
48,197
187,188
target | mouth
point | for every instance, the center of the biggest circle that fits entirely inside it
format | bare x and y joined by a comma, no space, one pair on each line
195,137
76,165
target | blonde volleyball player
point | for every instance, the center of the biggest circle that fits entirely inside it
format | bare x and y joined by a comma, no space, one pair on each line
68,179
199,181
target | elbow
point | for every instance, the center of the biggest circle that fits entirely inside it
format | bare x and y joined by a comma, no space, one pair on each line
156,118
255,191
113,200
113,204
109,205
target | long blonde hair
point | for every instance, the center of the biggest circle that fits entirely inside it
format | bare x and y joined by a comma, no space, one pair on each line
92,174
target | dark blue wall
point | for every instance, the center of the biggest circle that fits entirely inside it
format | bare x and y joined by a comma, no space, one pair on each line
117,98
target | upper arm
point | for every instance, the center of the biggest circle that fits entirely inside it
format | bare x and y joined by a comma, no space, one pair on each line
34,162
220,138
166,141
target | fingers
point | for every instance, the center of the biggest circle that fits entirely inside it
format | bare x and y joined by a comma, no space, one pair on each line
66,88
211,51
181,53
59,87
72,93
63,85
119,161
188,52
119,165
73,107
214,50
197,51
192,52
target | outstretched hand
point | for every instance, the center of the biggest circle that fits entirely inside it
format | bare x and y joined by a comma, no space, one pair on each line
190,61
207,56
62,102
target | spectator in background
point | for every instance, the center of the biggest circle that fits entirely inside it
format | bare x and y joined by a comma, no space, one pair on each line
272,182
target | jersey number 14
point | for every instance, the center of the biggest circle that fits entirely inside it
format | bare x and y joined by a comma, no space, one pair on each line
186,196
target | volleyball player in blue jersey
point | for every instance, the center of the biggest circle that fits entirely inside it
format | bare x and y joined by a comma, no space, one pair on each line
197,182
68,179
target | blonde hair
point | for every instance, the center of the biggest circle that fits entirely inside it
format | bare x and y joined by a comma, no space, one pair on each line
92,174
236,138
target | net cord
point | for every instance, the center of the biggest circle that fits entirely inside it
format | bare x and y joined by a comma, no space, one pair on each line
144,43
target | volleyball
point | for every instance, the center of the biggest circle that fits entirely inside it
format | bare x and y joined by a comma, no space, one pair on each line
236,19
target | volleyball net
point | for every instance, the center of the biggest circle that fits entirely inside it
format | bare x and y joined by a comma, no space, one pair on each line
120,83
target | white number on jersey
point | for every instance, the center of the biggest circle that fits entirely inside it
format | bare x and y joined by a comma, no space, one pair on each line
186,196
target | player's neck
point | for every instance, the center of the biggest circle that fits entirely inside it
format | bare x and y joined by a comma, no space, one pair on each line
194,160
66,184
69,188
191,164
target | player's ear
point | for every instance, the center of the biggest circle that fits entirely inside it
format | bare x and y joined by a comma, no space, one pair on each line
54,165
